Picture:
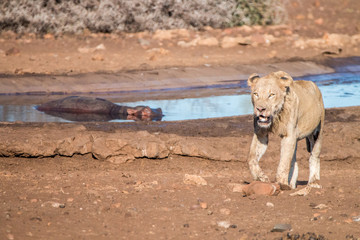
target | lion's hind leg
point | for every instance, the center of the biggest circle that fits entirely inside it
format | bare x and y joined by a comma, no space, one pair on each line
314,145
314,162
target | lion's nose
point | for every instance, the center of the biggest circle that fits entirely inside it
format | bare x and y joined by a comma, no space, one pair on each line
260,109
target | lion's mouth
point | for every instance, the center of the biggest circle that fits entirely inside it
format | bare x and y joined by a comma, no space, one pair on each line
264,121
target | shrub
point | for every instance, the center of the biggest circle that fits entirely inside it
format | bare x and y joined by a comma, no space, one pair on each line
73,16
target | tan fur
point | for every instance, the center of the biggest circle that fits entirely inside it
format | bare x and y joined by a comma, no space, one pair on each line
292,109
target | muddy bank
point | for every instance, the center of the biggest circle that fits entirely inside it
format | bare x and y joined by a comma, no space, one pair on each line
223,139
105,180
181,78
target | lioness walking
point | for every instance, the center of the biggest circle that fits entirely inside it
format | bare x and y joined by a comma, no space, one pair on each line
294,110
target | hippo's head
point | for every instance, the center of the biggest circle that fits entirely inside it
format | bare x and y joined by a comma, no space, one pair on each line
144,113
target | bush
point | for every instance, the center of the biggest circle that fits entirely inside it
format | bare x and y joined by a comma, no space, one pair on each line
74,16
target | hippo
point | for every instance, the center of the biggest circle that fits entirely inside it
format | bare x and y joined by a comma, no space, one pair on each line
75,108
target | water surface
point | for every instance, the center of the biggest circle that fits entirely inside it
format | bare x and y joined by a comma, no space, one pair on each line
339,89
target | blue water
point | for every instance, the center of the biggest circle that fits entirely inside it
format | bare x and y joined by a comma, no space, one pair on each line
334,95
338,89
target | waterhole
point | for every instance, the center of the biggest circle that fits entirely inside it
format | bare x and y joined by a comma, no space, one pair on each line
339,89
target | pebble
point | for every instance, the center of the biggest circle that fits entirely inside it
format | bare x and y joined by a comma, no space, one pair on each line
320,206
194,180
209,42
224,224
12,52
269,204
356,219
162,35
98,57
10,236
203,205
144,42
225,211
281,227
101,46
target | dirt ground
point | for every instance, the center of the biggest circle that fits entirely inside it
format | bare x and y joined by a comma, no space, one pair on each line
62,195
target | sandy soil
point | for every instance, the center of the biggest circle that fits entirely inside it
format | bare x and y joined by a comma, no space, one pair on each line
62,195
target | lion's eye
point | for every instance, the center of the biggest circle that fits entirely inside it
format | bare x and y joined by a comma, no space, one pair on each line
255,94
271,95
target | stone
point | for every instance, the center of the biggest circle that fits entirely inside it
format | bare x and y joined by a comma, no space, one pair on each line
224,224
12,52
225,211
98,57
236,187
320,206
261,188
270,204
229,42
144,42
101,46
194,180
162,35
203,205
281,227
208,42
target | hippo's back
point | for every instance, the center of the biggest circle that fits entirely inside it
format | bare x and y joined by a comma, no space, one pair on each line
75,104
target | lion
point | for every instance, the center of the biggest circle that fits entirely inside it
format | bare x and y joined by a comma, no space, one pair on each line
294,110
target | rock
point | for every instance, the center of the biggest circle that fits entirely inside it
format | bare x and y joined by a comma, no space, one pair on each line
162,35
225,211
12,52
320,206
319,21
98,57
209,42
281,228
194,180
146,185
144,42
269,204
184,44
224,224
229,42
151,149
85,50
261,188
337,40
356,218
236,187
10,236
203,205
48,36
101,46
91,50
183,33
116,205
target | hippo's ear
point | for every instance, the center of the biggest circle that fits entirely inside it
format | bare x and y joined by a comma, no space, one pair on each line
284,78
252,79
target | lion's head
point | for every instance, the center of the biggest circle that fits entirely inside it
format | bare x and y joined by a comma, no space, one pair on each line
268,96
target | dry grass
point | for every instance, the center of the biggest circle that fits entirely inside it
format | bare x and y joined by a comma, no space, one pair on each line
74,16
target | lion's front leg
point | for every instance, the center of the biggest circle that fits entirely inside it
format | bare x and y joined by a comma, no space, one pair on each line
257,149
288,148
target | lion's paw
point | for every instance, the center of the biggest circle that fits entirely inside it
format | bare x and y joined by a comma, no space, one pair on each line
302,192
315,185
263,178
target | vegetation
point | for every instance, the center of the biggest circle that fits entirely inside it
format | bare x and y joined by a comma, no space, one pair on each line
74,16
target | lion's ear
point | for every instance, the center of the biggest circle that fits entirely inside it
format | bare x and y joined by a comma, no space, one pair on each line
252,79
285,79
